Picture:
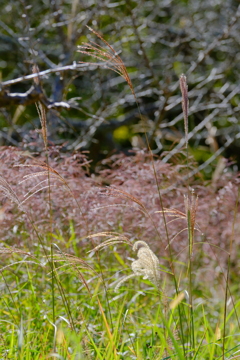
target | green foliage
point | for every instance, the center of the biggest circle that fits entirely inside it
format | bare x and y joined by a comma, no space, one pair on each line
132,323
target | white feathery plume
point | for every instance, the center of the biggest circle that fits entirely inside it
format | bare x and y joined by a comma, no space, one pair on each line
147,264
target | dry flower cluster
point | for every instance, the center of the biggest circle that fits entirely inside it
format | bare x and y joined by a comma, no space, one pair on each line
146,265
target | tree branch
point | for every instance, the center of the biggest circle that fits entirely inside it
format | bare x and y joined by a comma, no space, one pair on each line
33,95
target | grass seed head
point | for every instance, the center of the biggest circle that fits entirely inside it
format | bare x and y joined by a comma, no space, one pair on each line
109,56
147,264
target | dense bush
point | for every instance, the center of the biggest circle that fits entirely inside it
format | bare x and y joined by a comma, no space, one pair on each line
130,205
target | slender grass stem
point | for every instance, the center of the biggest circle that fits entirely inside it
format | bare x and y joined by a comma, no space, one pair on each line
227,278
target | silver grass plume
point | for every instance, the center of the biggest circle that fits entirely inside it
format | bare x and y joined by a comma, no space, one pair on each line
147,264
9,193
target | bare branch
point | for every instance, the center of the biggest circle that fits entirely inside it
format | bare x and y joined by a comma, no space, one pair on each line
74,66
33,95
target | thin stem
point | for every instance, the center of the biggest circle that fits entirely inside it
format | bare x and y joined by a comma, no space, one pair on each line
53,289
227,279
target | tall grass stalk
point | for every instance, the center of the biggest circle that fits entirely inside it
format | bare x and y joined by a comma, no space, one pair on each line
43,119
227,278
191,208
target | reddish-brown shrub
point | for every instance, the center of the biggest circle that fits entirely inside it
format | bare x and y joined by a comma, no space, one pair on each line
109,208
